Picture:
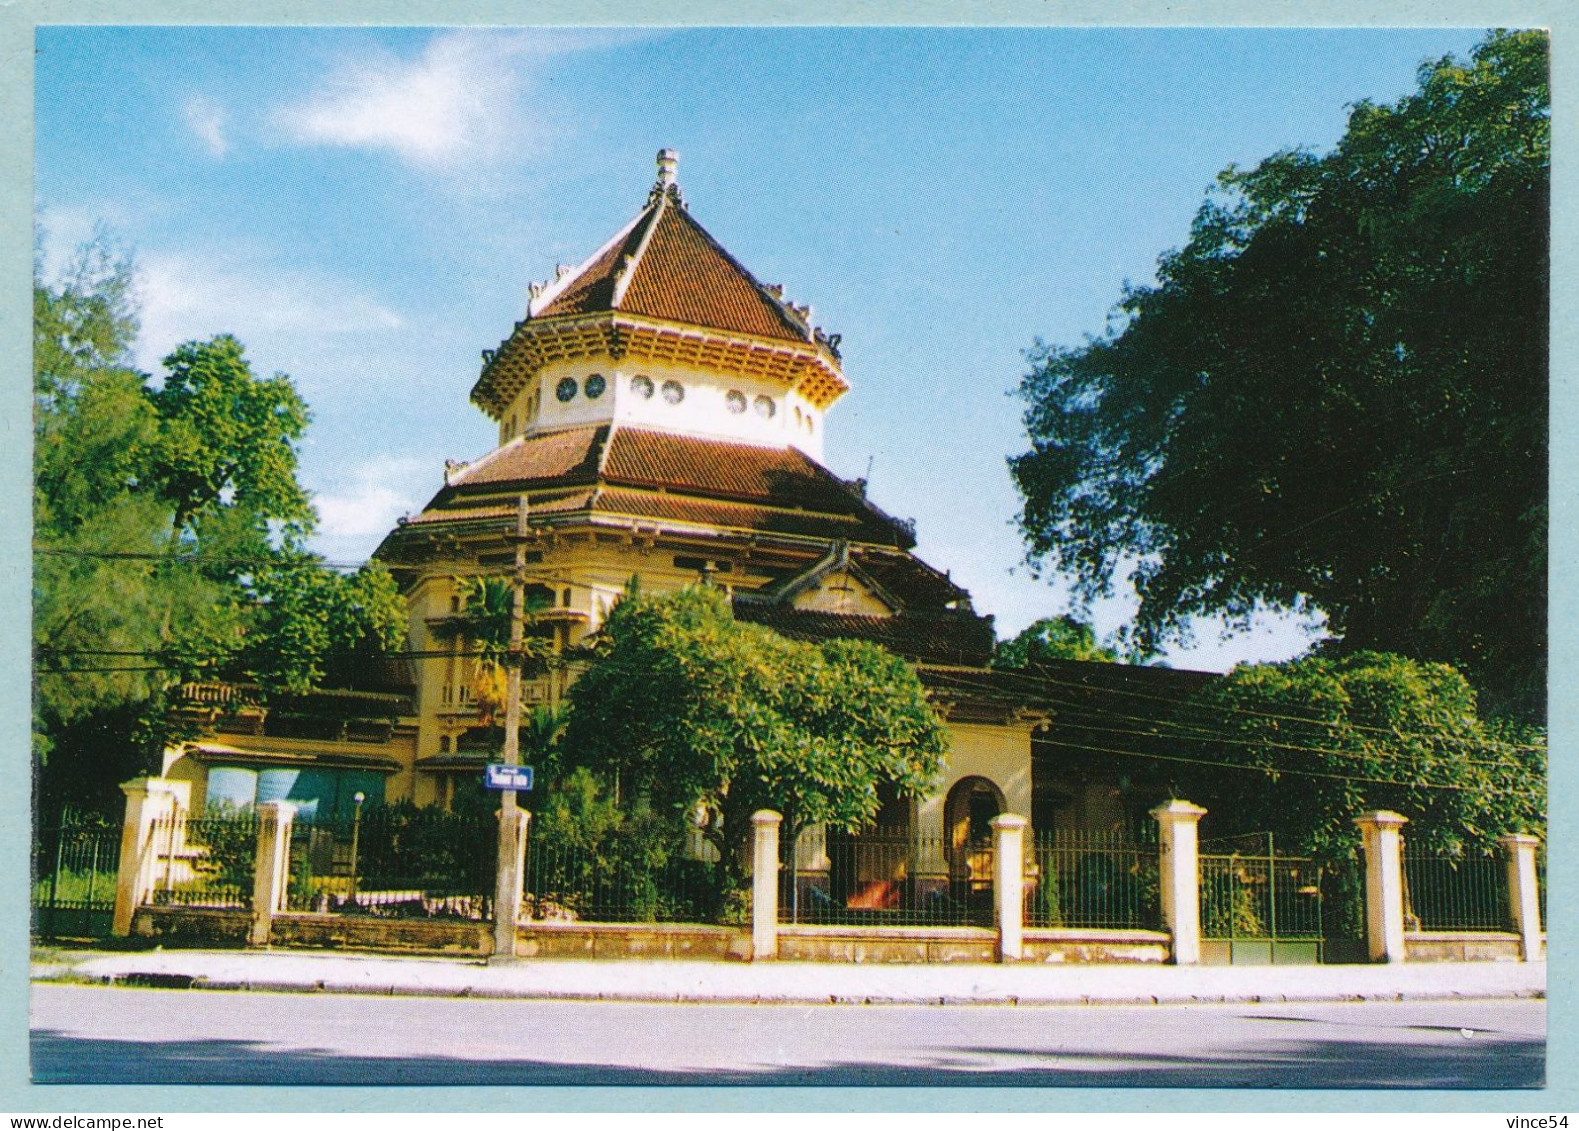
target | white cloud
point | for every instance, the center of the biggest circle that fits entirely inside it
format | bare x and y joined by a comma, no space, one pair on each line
460,99
463,103
358,509
207,121
183,298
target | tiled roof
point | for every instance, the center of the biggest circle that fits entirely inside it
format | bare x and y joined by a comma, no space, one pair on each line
664,475
570,455
678,273
935,638
909,579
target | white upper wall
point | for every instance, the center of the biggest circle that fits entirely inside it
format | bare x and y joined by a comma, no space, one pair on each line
666,397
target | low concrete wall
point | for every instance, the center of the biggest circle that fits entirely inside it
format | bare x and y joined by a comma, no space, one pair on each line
1461,946
1063,944
625,940
887,944
386,936
203,927
191,926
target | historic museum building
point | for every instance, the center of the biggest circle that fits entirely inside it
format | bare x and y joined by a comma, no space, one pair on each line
661,414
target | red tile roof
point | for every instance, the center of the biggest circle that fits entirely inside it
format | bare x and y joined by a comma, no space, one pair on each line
678,273
683,478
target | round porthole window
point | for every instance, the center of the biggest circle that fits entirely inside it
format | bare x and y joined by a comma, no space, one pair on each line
595,386
735,400
673,392
766,408
641,385
566,389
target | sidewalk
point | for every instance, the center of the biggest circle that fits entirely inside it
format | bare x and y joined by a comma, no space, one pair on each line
794,982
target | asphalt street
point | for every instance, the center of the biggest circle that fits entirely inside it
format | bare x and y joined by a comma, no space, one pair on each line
101,1035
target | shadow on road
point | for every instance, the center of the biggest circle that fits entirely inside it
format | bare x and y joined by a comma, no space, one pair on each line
1487,1062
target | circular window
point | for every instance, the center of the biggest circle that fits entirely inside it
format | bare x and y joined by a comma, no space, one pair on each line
766,408
736,401
595,386
642,386
673,392
566,389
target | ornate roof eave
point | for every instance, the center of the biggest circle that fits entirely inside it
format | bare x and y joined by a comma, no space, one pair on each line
811,368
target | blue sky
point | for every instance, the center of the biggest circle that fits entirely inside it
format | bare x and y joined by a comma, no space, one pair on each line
365,209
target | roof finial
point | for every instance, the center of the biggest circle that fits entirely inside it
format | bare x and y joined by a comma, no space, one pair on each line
668,166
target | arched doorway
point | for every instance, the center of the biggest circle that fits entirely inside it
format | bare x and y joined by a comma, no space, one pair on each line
967,828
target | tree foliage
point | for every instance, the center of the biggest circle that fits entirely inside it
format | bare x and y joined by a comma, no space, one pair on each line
1052,638
1328,738
167,524
1335,395
704,717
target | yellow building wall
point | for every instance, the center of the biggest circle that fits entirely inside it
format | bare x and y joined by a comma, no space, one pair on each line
1001,754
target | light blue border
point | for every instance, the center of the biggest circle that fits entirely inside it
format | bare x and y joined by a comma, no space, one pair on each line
17,22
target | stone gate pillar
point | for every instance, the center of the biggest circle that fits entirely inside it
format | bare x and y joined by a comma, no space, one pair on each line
765,884
1384,883
151,803
1524,895
1179,869
270,867
1008,884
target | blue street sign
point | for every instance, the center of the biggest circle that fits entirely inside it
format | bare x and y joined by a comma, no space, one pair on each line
500,776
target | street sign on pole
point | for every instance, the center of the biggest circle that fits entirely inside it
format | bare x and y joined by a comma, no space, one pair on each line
501,775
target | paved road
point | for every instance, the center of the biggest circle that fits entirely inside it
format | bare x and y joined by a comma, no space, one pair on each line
85,1034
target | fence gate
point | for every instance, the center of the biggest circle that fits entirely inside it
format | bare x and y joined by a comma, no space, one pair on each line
75,866
1259,907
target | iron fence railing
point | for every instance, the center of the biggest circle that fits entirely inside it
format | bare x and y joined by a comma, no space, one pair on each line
395,862
1261,895
889,877
621,880
1448,893
1094,880
75,866
205,861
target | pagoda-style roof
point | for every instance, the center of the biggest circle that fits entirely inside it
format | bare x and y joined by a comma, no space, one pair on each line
620,471
663,289
946,637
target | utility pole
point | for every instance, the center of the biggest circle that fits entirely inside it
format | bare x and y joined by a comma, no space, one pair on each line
513,821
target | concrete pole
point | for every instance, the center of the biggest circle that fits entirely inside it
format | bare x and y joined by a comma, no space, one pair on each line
512,841
1524,897
270,868
1008,884
149,803
1384,883
765,884
1179,869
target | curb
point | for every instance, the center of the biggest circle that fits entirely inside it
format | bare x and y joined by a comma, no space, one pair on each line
171,981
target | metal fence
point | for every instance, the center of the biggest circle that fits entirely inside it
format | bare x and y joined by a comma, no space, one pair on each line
1256,893
205,861
889,878
1447,893
620,880
398,862
1094,880
75,866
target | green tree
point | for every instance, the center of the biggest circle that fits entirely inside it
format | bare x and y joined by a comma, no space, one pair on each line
708,719
1326,738
1334,397
1052,638
167,522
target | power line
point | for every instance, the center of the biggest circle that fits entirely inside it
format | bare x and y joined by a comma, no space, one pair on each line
1197,733
1183,701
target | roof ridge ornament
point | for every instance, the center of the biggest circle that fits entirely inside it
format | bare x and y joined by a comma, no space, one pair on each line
668,184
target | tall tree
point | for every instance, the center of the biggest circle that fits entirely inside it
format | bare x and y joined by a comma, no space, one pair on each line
703,716
1060,638
1334,397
